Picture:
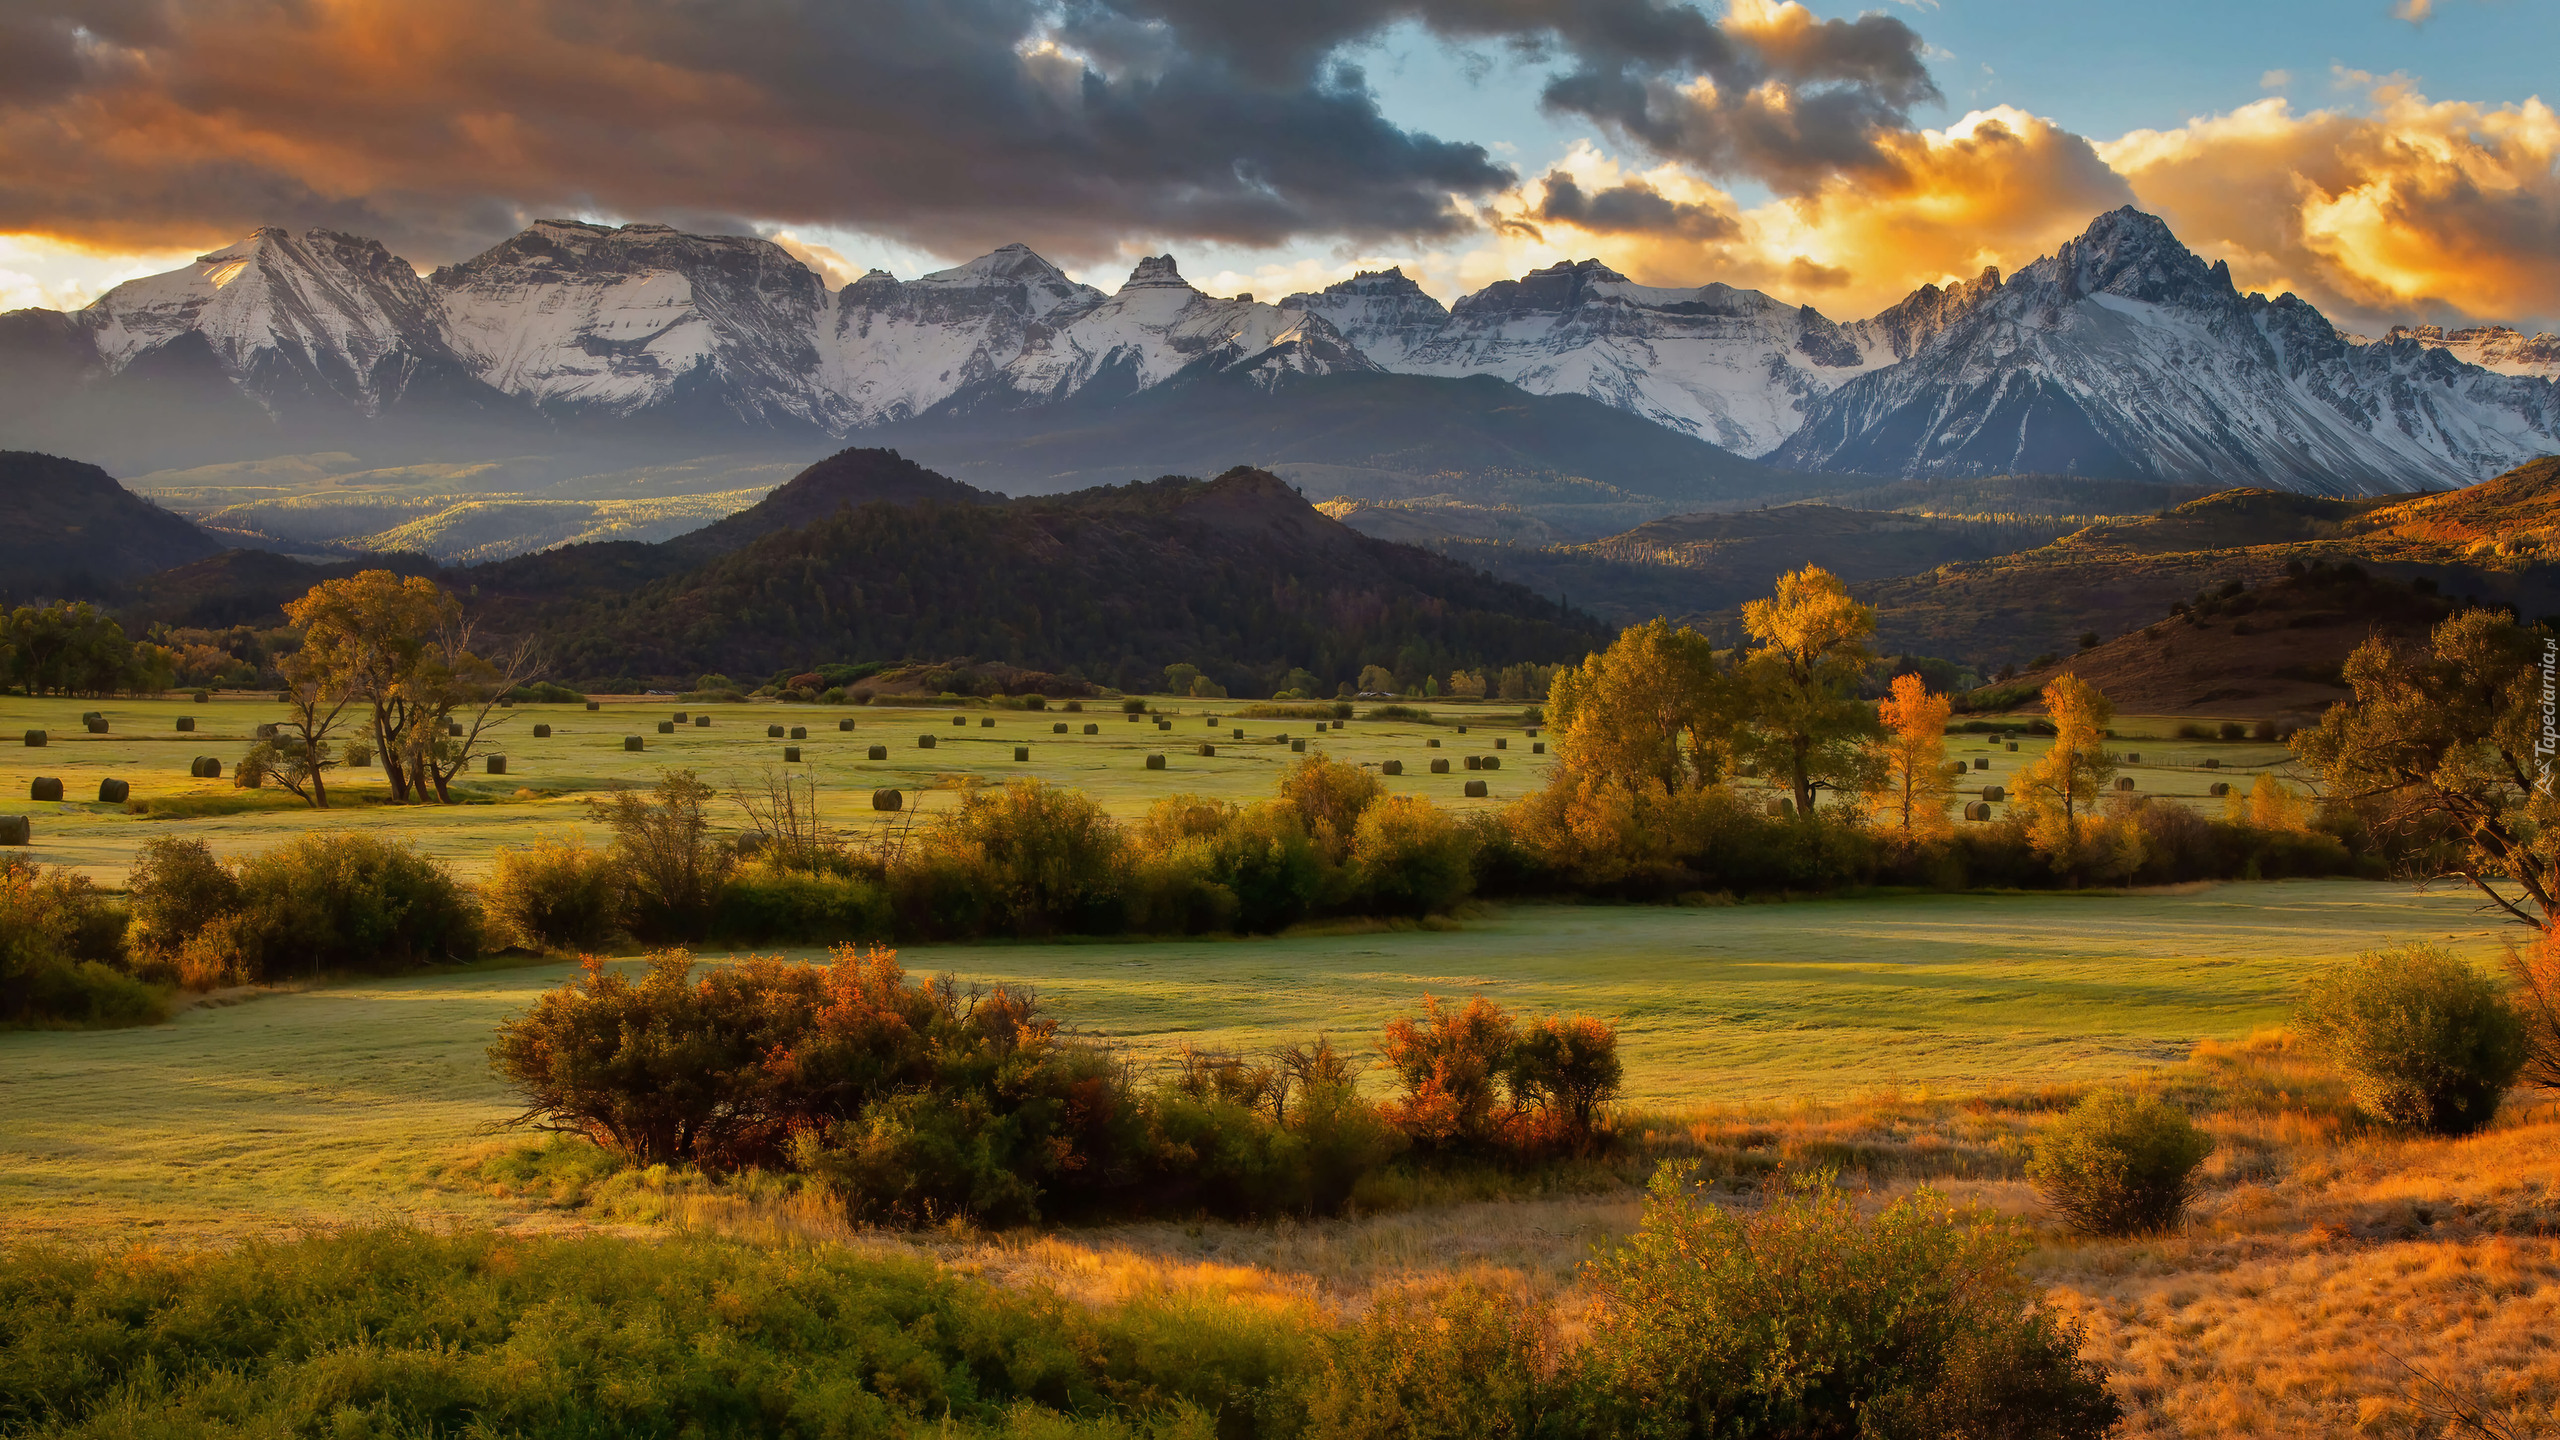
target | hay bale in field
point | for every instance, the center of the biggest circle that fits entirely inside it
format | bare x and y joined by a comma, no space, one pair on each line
1432,744
925,742
497,764
1492,762
959,719
1981,764
790,754
666,727
1977,811
541,732
1298,746
2213,764
2133,757
1391,767
595,705
1439,767
453,727
1994,792
840,725
1155,762
1207,749
205,767
16,830
631,742
2217,789
2012,744
1474,763
97,724
1956,768
1539,748
46,787
888,800
1092,729
1236,734
876,752
986,722
186,724
1462,729
1021,753
1500,743
773,732
799,732
1478,790
1532,732
204,697
682,718
1060,728
2124,782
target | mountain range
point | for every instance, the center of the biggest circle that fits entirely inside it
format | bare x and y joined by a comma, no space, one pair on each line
2122,354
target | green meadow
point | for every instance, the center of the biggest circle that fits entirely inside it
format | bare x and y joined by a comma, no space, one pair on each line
548,780
353,1101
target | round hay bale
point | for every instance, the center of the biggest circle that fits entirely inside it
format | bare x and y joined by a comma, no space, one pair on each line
1539,748
1977,811
1392,767
1462,729
541,732
1092,729
1994,792
206,767
888,800
2012,744
631,742
595,705
2133,757
1298,746
840,725
1433,743
1474,762
773,732
1477,790
790,754
453,727
877,752
799,732
497,764
1981,764
1207,749
703,722
1021,753
959,719
186,724
97,724
1236,734
1956,768
1493,762
1531,733
2217,789
925,742
1439,767
1155,762
666,727
1060,728
682,718
46,787
2213,764
1501,744
16,830
986,722
2124,782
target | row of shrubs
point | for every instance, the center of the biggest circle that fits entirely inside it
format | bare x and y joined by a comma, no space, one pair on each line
921,1102
1804,1316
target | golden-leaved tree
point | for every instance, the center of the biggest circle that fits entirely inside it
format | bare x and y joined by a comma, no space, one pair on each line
2061,790
1652,708
1908,794
402,648
1801,678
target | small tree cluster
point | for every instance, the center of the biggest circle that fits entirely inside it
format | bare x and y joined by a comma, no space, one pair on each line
1474,1079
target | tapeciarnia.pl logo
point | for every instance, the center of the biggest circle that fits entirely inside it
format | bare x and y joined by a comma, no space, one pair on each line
2548,742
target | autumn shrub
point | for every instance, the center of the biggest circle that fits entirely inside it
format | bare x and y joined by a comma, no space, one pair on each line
2119,1163
2427,1041
1410,857
1449,1065
1329,797
557,894
61,959
1565,1070
1044,859
1805,1315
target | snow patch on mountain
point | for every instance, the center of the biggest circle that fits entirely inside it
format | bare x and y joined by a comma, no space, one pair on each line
2502,348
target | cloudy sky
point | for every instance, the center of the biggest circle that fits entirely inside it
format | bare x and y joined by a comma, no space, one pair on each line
2391,160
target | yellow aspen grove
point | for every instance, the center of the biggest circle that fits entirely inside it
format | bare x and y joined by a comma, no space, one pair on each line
1808,724
2061,790
1909,799
1653,707
2269,804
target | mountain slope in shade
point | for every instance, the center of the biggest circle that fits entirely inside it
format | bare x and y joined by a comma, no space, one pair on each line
2124,354
69,529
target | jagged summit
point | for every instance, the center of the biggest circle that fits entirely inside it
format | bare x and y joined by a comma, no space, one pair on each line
1156,272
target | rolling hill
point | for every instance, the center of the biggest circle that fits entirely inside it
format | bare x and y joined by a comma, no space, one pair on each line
68,529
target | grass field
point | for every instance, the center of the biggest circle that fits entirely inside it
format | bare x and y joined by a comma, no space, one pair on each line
548,780
302,1108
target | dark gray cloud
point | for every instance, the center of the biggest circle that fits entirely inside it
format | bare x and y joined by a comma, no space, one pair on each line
949,124
1630,208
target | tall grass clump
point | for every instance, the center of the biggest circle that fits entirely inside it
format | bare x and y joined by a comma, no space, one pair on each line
2427,1042
2119,1163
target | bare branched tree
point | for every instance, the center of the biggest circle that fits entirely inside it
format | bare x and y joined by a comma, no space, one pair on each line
783,808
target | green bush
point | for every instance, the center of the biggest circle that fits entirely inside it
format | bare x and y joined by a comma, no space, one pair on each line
767,903
60,954
671,869
559,895
175,889
1410,857
2119,1163
1803,1316
344,901
544,692
1046,859
1462,1360
2426,1041
1267,861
